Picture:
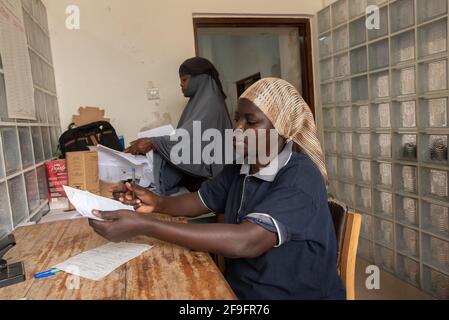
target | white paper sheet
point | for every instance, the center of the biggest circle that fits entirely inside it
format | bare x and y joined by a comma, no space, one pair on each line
157,132
97,263
84,202
115,166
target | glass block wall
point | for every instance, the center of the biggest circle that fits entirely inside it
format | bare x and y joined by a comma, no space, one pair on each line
384,95
26,145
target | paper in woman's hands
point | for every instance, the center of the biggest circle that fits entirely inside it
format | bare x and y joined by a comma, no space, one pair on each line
84,202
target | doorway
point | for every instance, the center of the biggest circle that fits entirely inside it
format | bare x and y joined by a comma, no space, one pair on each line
243,49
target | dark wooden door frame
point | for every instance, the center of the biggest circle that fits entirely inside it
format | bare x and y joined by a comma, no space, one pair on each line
305,48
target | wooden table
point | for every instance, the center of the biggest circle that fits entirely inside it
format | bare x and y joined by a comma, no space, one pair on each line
165,272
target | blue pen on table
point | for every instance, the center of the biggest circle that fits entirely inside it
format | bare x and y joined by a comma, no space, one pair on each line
46,274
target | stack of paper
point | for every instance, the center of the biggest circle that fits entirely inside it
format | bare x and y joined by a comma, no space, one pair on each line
115,166
85,202
157,132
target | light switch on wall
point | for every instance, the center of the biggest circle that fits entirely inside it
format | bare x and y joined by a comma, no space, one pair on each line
153,94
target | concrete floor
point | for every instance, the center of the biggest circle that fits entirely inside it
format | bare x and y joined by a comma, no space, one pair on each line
391,287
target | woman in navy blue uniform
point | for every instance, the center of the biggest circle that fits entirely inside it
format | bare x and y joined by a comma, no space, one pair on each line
278,237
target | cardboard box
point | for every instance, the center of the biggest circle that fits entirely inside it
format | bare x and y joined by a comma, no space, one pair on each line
82,169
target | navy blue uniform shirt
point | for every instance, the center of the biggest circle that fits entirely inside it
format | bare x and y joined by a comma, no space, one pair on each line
289,198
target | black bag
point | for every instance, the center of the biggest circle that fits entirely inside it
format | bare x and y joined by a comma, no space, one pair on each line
92,134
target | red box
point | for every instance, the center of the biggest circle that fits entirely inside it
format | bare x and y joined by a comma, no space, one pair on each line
57,178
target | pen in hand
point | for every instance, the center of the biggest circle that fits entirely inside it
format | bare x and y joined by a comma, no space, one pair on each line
133,182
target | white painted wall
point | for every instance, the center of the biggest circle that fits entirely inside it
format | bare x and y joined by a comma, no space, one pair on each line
123,45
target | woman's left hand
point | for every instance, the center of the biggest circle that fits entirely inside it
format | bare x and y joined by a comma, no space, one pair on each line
118,225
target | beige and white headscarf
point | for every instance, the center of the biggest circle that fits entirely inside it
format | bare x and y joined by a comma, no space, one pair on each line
289,114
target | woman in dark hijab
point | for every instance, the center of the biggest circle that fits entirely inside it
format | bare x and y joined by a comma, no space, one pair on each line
200,83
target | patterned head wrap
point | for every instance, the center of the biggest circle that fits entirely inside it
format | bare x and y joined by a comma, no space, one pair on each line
289,114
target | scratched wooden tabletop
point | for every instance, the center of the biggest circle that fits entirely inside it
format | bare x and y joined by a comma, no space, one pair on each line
163,273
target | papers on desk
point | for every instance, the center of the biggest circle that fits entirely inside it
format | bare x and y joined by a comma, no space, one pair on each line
115,166
97,263
84,202
157,132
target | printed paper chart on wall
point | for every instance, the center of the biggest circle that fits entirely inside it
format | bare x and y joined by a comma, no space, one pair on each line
16,63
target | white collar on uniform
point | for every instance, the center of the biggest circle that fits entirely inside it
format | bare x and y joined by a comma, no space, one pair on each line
269,172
